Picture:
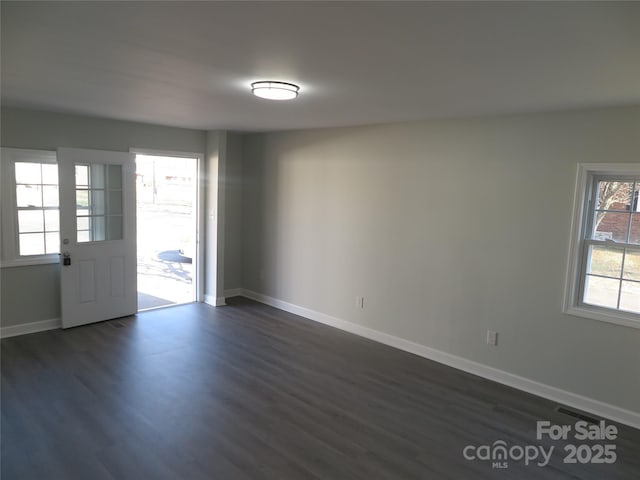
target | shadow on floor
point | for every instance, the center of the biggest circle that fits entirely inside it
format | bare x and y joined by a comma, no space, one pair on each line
146,301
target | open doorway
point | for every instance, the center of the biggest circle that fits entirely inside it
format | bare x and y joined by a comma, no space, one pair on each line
167,193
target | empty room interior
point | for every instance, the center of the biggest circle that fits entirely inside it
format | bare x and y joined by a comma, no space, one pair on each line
320,240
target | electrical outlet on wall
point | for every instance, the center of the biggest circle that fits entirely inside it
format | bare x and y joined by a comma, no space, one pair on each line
492,338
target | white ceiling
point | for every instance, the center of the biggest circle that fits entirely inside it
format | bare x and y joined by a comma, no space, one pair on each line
190,64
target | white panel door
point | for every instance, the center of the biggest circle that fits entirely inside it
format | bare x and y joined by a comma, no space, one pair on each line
98,235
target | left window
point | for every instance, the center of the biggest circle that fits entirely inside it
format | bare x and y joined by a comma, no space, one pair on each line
30,207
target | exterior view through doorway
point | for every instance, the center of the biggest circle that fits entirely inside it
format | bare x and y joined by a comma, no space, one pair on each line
167,201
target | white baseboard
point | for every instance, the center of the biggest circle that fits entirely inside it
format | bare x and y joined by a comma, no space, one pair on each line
233,292
31,327
555,394
214,301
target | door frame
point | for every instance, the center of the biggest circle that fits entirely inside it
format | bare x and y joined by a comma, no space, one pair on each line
199,208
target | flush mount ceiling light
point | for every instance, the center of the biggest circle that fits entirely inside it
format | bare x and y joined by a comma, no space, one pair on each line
275,90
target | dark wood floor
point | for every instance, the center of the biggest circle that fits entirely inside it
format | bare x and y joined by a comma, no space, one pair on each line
249,392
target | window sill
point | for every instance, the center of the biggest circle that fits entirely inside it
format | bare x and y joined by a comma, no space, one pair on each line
617,318
30,261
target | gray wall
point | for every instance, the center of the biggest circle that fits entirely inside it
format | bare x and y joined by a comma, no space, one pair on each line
31,294
48,131
447,229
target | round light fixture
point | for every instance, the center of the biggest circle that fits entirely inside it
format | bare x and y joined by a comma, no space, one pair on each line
275,90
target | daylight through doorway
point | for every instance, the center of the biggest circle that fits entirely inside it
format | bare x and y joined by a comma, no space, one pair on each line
166,215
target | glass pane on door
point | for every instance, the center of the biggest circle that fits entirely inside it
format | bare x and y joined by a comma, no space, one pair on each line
98,197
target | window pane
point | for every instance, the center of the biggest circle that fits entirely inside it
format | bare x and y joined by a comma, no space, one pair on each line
614,195
611,226
96,233
115,177
90,202
83,223
29,195
98,229
82,199
634,236
605,261
635,207
50,173
31,243
82,175
37,189
30,221
27,172
98,193
97,202
601,291
115,202
52,241
50,196
632,265
115,228
97,176
630,297
52,220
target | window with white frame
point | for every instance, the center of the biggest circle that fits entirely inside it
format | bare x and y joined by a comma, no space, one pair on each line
604,274
30,207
